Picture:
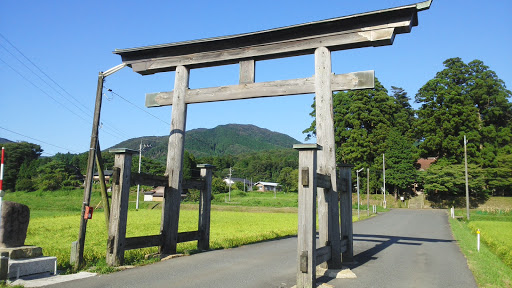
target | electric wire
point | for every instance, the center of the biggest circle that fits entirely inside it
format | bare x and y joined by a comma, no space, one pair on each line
152,115
44,81
40,141
39,88
85,110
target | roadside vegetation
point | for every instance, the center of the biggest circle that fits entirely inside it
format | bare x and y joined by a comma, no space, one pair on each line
248,218
492,265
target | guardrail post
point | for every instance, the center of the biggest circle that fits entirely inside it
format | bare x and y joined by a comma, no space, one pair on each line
306,234
205,203
346,211
120,193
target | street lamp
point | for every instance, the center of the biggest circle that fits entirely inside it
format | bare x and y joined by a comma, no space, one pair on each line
357,173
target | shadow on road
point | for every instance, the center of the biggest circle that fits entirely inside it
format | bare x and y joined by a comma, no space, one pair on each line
385,241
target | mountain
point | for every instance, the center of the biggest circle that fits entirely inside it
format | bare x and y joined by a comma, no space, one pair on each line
3,140
230,139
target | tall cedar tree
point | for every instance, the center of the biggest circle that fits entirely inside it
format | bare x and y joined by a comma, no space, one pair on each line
467,99
363,121
464,99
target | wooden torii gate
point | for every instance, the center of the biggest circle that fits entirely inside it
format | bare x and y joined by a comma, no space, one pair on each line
319,38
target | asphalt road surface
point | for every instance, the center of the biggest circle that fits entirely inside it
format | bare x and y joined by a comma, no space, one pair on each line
400,248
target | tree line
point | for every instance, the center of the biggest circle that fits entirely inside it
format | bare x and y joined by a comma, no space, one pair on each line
463,99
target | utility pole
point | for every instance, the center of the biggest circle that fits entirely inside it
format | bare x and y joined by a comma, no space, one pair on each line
229,194
368,191
138,185
78,246
358,201
467,185
384,178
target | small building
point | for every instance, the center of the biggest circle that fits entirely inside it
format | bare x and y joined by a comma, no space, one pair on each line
267,186
424,163
157,194
107,173
234,180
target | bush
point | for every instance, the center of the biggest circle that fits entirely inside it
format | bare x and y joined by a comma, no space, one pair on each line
49,185
193,195
24,185
239,193
70,184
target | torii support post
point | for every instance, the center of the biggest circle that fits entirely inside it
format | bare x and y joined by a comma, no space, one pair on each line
306,233
346,212
172,193
116,242
205,203
328,212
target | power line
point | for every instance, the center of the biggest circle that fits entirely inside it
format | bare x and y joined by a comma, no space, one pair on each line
40,70
39,88
85,110
38,140
165,122
44,81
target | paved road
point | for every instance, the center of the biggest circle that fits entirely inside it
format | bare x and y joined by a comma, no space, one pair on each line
401,248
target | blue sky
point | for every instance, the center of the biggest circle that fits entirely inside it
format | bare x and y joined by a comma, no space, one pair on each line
71,41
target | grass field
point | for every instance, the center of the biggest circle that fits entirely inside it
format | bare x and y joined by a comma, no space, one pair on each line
228,229
498,237
492,266
248,218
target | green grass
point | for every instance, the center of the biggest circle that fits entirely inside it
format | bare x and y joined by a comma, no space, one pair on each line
249,217
489,266
228,229
260,199
498,237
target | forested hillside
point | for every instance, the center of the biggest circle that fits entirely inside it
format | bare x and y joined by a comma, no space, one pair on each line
231,139
464,99
3,140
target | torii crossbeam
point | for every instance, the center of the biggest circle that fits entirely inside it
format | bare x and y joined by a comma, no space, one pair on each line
321,38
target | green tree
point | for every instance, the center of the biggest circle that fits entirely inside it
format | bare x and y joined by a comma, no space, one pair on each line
444,183
468,99
401,155
15,155
189,166
463,99
55,175
363,123
289,179
219,186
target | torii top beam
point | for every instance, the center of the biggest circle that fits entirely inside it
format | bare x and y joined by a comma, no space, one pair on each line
376,28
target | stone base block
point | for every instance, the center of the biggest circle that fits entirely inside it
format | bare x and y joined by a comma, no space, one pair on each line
23,252
344,273
29,266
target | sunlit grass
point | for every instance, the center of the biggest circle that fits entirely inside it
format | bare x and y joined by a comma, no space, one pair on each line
487,267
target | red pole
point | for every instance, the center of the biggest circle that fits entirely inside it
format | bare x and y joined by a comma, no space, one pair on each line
1,182
2,173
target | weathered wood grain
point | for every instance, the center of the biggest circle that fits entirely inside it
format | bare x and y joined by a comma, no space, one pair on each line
349,81
172,193
328,213
119,212
188,236
247,72
205,201
143,242
306,234
346,211
323,254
